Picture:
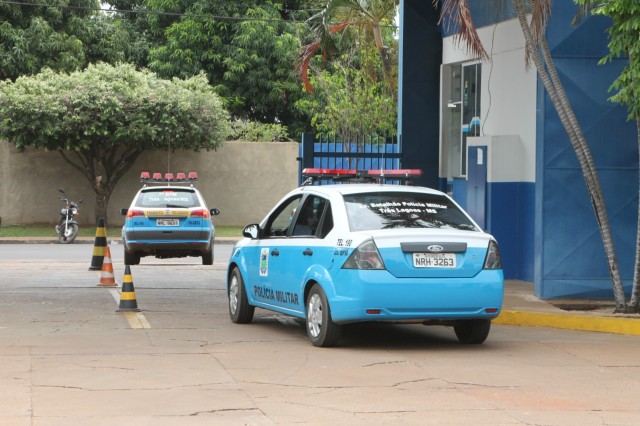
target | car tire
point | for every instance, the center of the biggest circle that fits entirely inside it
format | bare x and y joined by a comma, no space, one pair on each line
207,257
240,311
472,331
131,258
321,329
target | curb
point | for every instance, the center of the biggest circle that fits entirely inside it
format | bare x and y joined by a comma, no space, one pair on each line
600,324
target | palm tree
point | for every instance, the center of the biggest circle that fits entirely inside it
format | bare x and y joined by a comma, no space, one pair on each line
457,12
337,16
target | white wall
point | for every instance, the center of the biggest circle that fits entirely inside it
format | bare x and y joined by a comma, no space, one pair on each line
508,98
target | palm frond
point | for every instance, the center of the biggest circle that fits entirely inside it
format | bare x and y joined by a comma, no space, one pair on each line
457,16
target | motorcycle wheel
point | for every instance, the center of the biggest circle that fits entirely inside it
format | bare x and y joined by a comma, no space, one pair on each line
67,236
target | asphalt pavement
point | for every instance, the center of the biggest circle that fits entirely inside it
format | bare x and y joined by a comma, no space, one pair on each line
520,308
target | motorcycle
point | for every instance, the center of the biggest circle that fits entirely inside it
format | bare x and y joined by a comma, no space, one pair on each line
67,227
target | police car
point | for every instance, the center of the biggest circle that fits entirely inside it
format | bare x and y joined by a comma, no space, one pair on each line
344,253
167,218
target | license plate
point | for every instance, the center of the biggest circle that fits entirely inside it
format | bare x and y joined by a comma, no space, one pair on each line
434,260
167,222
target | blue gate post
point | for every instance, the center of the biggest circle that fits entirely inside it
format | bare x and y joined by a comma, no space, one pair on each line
306,154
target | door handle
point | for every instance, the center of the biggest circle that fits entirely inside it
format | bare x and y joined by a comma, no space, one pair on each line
308,252
275,252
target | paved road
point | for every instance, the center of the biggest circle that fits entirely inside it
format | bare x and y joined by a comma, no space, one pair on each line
68,358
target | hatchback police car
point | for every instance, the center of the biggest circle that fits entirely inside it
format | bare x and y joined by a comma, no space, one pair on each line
168,218
346,253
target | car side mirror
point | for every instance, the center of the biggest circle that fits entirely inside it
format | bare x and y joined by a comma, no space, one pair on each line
124,212
214,212
251,231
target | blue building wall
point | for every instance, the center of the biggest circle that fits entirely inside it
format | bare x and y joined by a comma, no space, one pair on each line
552,238
570,259
419,89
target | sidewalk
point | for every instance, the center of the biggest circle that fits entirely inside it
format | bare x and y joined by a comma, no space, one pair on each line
520,308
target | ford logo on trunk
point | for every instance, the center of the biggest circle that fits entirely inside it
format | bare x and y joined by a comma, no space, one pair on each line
435,247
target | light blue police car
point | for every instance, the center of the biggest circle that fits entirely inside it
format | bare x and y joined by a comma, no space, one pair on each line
168,217
344,253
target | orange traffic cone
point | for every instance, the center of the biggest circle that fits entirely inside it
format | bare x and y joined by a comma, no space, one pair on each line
99,247
128,294
106,276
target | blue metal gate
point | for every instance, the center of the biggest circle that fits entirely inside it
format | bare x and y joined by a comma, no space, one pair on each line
355,153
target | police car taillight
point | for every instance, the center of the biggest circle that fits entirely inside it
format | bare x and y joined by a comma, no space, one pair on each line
131,213
366,256
203,213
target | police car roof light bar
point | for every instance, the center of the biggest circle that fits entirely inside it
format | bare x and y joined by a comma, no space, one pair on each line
168,178
359,176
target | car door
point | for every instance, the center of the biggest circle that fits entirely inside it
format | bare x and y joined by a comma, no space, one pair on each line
264,259
306,251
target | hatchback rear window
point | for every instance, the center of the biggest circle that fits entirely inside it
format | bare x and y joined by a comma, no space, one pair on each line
168,198
387,210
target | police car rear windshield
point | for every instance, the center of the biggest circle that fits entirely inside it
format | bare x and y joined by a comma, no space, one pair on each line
388,210
168,198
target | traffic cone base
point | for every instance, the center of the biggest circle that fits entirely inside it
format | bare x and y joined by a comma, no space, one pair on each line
99,247
106,276
128,301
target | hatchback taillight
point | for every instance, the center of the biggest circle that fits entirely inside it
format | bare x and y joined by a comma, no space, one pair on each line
200,213
131,213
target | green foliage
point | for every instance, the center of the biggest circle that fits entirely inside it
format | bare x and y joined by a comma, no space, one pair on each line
110,106
249,62
253,131
60,38
352,98
624,41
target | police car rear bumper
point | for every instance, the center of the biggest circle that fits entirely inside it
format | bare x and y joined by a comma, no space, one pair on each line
379,296
155,247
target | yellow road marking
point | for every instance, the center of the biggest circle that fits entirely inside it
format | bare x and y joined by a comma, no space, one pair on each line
136,320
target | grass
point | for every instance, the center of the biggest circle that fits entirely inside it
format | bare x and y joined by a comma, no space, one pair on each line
48,231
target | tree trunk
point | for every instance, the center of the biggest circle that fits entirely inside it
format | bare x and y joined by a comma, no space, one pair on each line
634,303
553,86
102,203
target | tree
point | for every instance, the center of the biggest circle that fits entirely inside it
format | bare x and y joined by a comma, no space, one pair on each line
624,41
369,15
63,37
352,101
537,51
102,118
246,48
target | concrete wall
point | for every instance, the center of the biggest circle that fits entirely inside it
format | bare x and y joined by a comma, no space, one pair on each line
242,179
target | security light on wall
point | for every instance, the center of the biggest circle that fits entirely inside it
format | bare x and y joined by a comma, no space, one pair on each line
452,104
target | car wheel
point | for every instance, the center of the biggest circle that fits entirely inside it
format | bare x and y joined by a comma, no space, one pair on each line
321,329
472,331
207,257
131,258
239,309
